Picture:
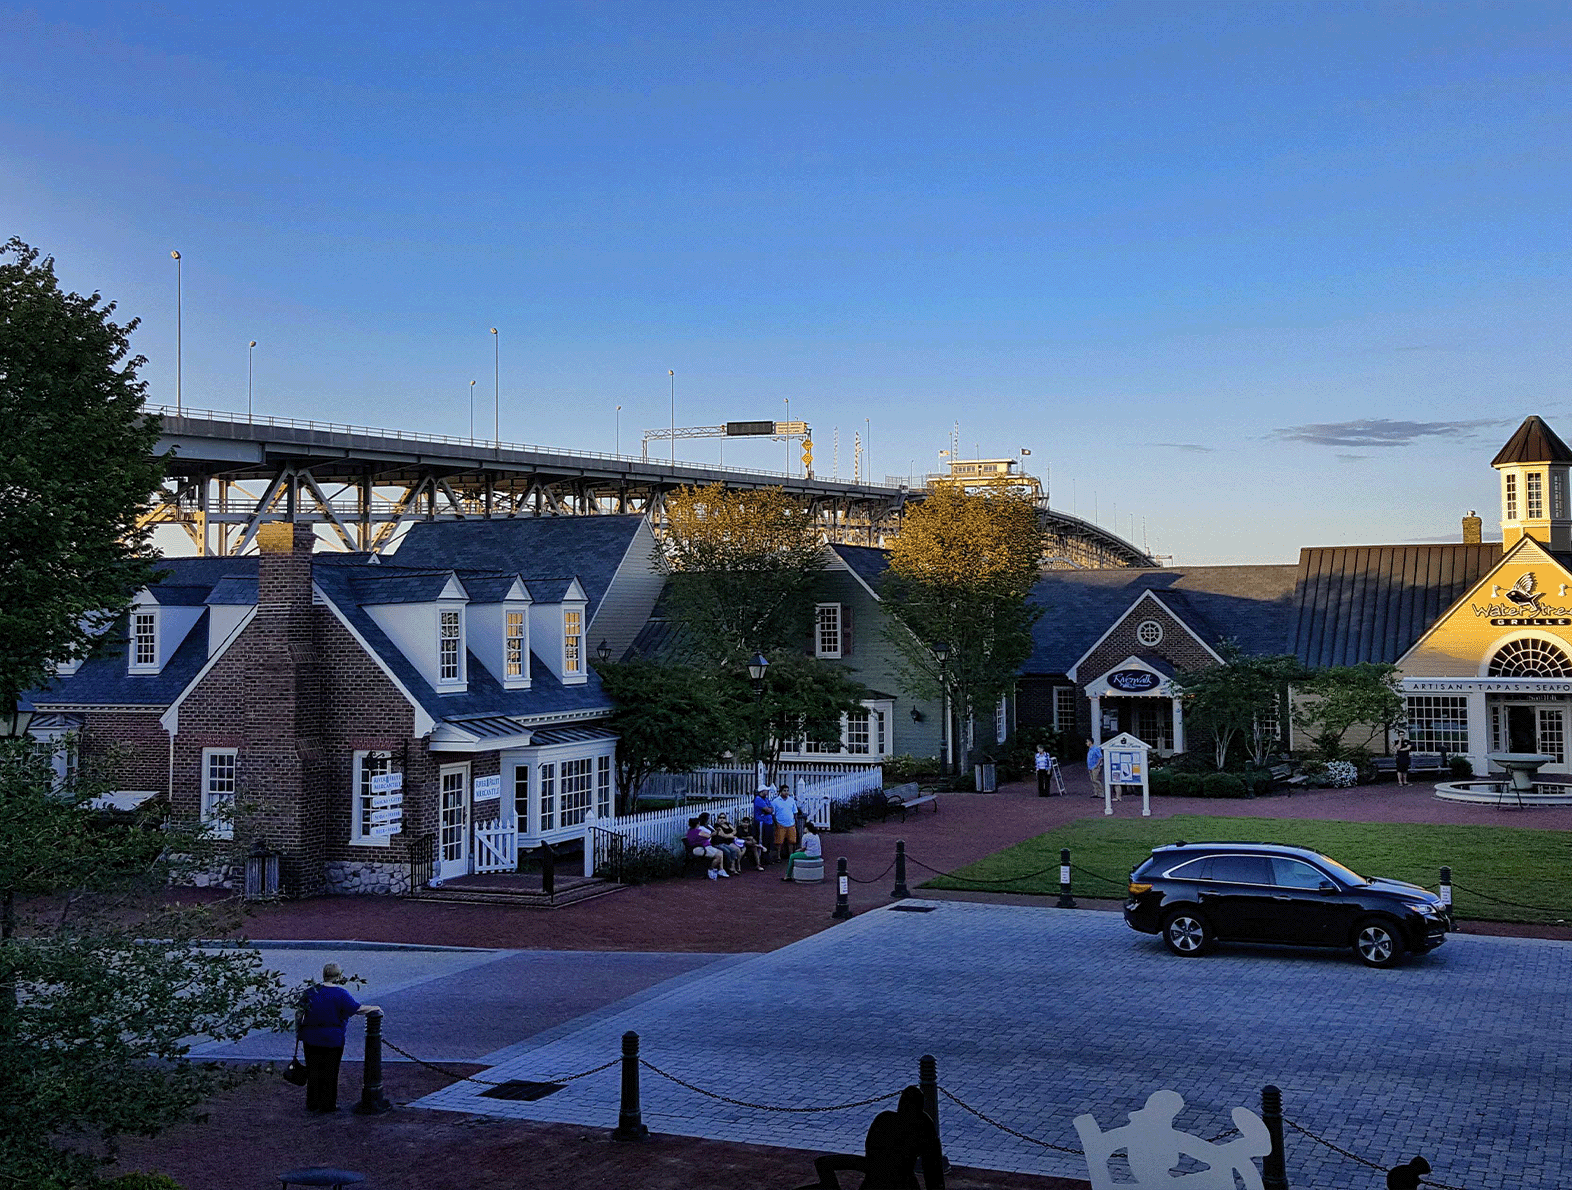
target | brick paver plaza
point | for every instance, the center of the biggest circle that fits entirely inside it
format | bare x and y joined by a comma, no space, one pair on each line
1037,1015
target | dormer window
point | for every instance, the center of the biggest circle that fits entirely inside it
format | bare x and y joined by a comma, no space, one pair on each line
1534,491
513,645
450,646
572,642
1511,497
144,640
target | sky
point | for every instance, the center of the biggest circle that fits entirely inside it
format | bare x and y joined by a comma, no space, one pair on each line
1242,277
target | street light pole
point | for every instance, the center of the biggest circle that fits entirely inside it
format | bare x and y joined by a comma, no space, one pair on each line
619,429
756,670
472,413
249,351
496,392
788,436
673,376
178,315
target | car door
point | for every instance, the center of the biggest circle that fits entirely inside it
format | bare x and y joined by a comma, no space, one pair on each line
1237,896
1302,911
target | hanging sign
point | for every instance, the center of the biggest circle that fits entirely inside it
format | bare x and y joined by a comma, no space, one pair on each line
394,815
487,788
1134,680
381,801
387,782
381,830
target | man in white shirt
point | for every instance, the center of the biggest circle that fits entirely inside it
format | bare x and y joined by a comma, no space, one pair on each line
784,807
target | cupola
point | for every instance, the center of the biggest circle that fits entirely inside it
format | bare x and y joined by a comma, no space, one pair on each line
1534,467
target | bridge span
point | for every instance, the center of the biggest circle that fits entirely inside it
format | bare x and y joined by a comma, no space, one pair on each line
229,474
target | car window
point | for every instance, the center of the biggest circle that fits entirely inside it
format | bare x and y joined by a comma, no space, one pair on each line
1241,869
1294,873
1194,870
1346,875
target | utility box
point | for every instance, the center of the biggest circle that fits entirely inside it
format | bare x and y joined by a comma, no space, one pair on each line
986,776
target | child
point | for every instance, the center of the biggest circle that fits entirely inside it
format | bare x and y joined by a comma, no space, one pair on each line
749,839
812,848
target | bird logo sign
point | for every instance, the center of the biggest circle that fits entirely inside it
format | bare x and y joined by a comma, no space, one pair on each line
1522,605
1523,594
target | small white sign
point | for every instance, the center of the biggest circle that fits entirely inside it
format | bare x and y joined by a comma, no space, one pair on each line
382,830
487,788
387,782
380,816
381,801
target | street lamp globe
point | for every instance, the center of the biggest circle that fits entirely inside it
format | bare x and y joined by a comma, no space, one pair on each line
941,652
757,666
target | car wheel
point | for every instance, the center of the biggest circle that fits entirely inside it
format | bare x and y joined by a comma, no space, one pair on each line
1187,933
1377,943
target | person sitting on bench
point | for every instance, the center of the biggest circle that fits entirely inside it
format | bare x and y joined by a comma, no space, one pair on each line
748,838
811,848
697,840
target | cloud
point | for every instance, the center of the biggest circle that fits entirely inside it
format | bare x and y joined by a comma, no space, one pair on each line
1193,447
1380,431
1353,458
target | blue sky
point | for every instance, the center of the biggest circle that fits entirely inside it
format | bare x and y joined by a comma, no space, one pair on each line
1260,275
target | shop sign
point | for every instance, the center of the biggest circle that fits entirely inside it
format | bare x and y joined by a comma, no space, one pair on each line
381,830
382,801
394,814
1485,686
1134,681
487,788
387,782
1522,605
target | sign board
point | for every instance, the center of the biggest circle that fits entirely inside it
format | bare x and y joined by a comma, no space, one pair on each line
381,801
791,427
746,429
1125,763
487,788
1124,766
387,782
1134,681
381,830
396,814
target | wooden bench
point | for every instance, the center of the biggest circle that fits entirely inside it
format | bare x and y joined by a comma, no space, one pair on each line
1283,774
908,797
1419,762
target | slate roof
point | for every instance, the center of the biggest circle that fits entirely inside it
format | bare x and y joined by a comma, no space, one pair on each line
179,594
550,590
1250,604
591,547
488,587
395,584
1534,442
235,591
102,679
866,562
1372,602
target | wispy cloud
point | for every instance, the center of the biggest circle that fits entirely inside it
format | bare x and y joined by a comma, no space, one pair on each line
1354,458
1193,447
1380,431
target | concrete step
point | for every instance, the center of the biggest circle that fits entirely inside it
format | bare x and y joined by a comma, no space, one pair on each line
581,890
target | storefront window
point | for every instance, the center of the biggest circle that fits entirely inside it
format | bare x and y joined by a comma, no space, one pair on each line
1438,723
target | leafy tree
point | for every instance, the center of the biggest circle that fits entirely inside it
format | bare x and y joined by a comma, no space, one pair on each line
77,468
1236,699
960,573
102,981
1346,699
803,699
669,718
742,566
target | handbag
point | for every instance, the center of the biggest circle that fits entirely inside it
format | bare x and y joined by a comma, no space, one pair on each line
295,1072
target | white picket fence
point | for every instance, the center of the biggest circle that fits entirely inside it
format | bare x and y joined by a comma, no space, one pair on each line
815,794
736,781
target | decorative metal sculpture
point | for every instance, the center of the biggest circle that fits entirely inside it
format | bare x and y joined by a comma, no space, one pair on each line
1153,1147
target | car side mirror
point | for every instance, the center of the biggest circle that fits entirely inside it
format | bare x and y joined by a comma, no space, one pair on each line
1327,888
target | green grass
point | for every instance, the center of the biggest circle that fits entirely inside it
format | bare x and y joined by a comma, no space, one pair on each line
1528,866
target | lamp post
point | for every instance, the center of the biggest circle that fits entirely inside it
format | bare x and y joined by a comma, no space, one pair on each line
673,376
250,349
176,255
756,671
496,390
619,430
472,413
788,434
603,651
941,654
15,721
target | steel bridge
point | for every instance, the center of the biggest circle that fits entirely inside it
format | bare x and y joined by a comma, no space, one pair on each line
229,474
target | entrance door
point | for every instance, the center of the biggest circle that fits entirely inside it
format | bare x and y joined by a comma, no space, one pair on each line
453,836
1552,733
1522,730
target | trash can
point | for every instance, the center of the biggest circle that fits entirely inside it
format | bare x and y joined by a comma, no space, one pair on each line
986,776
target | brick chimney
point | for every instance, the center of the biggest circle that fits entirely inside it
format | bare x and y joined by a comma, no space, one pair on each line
1473,529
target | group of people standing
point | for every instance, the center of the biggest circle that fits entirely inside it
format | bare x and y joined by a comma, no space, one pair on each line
777,828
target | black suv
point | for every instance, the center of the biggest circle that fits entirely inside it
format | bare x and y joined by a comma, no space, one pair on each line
1196,893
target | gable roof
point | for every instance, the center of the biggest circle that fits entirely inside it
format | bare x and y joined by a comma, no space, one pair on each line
492,587
398,584
103,680
1534,442
1372,602
591,547
866,562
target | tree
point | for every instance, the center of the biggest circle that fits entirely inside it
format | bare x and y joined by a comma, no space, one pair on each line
668,718
77,469
960,574
1236,699
101,981
742,566
803,699
1347,698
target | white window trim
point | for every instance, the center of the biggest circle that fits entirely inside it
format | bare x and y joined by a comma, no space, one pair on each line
145,667
818,633
222,830
520,680
461,679
576,670
874,706
356,839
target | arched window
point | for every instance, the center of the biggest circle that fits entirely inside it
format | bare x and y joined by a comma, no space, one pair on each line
1530,658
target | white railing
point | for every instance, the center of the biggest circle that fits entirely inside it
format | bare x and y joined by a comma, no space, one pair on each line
496,849
814,798
722,782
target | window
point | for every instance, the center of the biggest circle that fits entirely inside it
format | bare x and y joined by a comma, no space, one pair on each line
449,641
521,798
575,791
572,642
1001,721
880,744
1149,633
603,786
863,733
1293,873
855,733
1064,709
1558,495
367,765
1530,658
548,797
513,646
1534,495
1511,497
1240,869
144,640
1438,722
1269,723
218,789
827,630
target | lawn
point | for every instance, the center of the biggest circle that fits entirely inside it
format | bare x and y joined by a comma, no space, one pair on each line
1531,867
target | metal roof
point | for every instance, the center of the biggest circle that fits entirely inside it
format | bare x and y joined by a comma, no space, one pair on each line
489,727
1534,442
570,735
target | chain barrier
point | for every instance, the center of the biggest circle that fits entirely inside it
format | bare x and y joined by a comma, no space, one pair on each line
1354,1157
486,1082
1006,1128
1099,876
875,880
1503,901
650,1066
972,880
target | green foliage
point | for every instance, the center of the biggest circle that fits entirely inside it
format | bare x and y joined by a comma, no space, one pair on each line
668,718
645,861
1234,700
102,981
1223,785
1187,784
803,699
870,806
71,554
1016,758
1348,698
898,770
1460,767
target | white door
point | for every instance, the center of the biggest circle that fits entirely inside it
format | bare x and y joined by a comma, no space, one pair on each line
1552,735
453,835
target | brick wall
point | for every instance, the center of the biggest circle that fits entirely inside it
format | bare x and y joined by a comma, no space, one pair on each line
1178,647
133,747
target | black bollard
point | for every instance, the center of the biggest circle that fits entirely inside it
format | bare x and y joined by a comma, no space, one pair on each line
1446,892
372,1101
630,1120
1274,1167
1066,901
900,890
548,870
928,1084
842,891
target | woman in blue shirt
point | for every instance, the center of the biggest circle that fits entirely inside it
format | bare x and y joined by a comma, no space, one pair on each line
324,1011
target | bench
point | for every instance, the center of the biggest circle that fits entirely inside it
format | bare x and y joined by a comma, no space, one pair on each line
1283,774
1419,762
908,797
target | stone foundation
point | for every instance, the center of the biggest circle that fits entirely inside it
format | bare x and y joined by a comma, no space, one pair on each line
365,878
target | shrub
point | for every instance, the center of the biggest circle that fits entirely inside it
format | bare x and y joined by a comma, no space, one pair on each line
138,1181
1341,774
1460,766
643,862
1186,785
898,770
1223,785
1161,782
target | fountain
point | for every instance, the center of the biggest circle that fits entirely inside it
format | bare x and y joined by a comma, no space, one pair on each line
1521,789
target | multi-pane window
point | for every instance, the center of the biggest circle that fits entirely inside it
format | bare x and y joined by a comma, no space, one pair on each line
144,638
572,643
863,733
1001,722
1268,723
513,645
367,766
449,642
603,786
576,778
1558,495
218,788
1064,709
1438,722
548,797
827,630
880,744
521,798
1511,497
1534,495
1530,657
856,733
